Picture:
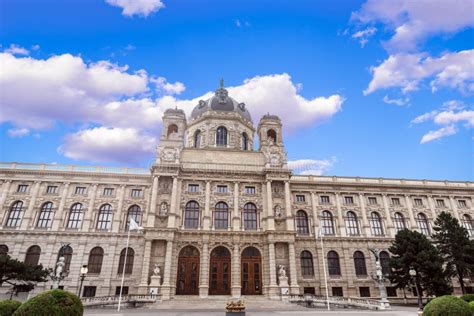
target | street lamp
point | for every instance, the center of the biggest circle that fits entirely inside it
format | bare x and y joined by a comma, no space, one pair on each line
412,273
84,271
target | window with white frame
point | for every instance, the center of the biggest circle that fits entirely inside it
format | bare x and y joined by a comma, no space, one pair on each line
193,187
423,224
349,200
108,191
462,203
418,202
136,193
22,188
395,201
52,189
222,189
249,190
440,203
300,198
325,199
45,215
467,222
372,200
352,224
399,221
327,223
376,224
80,190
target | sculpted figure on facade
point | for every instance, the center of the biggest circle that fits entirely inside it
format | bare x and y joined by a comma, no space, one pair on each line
281,271
156,270
164,208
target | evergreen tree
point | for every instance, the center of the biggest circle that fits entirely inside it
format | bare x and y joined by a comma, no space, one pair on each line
455,247
412,250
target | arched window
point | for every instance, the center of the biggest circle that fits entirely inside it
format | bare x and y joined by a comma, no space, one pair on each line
245,141
134,212
3,250
104,220
376,224
15,214
67,254
129,264
359,264
197,139
75,216
399,221
191,215
467,222
307,268
352,225
385,262
302,226
45,216
96,255
221,216
173,128
33,255
271,135
221,136
334,268
327,223
423,224
250,216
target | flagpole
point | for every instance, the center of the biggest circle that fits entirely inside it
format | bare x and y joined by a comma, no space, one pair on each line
324,263
123,270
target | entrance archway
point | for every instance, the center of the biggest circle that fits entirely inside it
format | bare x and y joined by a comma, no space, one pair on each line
188,271
220,271
251,271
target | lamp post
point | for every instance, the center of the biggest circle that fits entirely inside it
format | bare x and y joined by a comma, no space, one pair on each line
413,275
84,271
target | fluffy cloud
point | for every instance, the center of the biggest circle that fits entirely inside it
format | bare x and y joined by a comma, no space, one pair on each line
16,50
407,71
363,35
311,166
440,133
103,144
164,87
137,7
18,132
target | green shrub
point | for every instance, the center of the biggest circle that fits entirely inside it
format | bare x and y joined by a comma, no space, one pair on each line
8,307
471,305
447,305
468,297
52,303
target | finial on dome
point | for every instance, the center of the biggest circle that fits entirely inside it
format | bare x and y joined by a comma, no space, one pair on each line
222,83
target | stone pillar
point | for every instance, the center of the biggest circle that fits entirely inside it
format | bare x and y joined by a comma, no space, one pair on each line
315,212
411,215
143,287
173,207
29,215
294,288
365,222
90,210
5,189
269,214
432,208
58,219
166,287
290,224
454,207
154,195
118,214
204,273
388,215
236,214
340,218
206,219
273,288
236,278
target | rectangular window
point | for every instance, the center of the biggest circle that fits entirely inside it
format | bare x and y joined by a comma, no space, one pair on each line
249,190
325,199
418,202
309,290
52,189
89,291
364,291
221,189
193,187
391,291
136,192
22,188
124,290
80,190
440,203
372,200
337,291
108,191
462,203
396,201
300,198
349,200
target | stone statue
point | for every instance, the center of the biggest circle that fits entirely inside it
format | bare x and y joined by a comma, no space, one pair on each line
60,267
281,271
156,270
278,212
164,208
376,253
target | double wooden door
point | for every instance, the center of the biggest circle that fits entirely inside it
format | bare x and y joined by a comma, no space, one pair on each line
251,272
188,273
220,272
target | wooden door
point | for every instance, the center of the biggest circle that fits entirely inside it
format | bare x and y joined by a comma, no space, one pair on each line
220,272
188,272
251,272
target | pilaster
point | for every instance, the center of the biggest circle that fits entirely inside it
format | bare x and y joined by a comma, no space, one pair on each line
5,189
290,224
118,215
432,207
154,195
411,215
166,287
236,216
143,287
365,222
173,207
273,288
58,218
386,207
236,278
315,211
28,218
207,216
294,288
204,273
90,210
454,207
269,213
340,218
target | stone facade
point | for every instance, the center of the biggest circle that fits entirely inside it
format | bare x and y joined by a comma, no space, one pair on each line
213,167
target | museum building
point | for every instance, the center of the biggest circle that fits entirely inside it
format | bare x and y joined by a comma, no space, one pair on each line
219,217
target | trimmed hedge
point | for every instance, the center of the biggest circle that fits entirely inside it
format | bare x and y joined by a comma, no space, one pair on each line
447,305
8,307
52,303
468,297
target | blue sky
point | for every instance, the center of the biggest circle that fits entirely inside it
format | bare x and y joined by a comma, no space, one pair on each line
364,88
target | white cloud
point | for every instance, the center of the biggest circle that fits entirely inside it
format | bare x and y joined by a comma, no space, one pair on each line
413,21
311,166
451,117
165,87
363,35
399,102
18,132
237,23
103,144
424,117
137,7
440,133
16,50
35,47
407,71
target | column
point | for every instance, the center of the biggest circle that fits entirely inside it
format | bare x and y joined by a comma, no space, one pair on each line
29,215
432,207
390,227
340,218
173,207
118,213
236,278
166,287
454,207
269,215
154,195
315,212
58,219
204,273
365,222
236,214
411,215
90,210
294,288
206,219
290,224
5,189
273,288
143,287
